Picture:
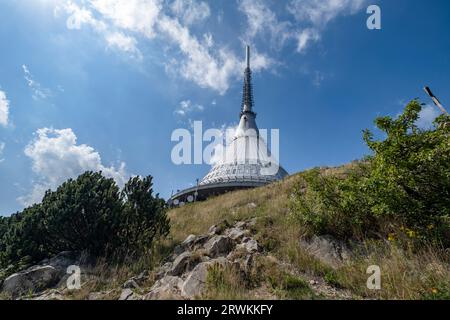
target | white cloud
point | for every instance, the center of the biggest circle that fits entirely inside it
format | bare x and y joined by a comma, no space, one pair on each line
2,148
125,43
38,92
121,23
313,16
262,20
79,16
198,57
426,117
207,69
305,37
190,11
187,107
56,156
134,15
4,109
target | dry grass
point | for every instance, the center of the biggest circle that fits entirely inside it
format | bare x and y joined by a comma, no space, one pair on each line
405,274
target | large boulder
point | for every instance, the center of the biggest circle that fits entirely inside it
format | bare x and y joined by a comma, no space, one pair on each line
34,279
49,273
218,245
195,283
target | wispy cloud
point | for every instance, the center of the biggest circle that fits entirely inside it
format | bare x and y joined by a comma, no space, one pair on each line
2,148
186,107
38,92
4,109
310,19
199,58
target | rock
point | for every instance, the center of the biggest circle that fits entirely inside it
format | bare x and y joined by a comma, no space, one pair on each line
251,245
252,222
53,295
240,225
188,241
218,229
196,281
235,234
62,260
102,295
166,288
184,262
218,245
327,249
248,262
32,280
252,205
130,284
163,270
141,278
127,294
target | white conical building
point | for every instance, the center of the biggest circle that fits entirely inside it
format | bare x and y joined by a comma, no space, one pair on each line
246,161
247,158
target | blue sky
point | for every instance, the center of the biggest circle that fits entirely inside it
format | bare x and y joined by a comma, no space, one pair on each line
102,84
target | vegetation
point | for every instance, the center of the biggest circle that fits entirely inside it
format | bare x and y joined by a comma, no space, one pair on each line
87,214
401,192
393,204
349,203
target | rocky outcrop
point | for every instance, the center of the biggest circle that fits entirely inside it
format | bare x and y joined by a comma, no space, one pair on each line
184,275
49,273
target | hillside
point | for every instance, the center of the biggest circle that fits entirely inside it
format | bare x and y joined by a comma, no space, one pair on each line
378,228
289,265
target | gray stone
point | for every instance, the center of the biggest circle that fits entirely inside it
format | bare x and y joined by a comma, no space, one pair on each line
184,262
166,288
102,295
196,281
219,228
53,295
252,222
248,263
235,234
32,280
127,294
188,241
251,245
327,249
218,245
130,284
252,205
164,270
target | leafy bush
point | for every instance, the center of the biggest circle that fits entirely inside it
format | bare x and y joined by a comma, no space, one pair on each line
401,191
87,214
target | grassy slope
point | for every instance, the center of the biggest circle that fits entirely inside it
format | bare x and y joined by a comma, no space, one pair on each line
405,275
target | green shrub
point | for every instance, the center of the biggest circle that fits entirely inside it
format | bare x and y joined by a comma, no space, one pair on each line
87,214
402,191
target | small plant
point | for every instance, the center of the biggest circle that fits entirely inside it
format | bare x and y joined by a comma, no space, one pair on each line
332,279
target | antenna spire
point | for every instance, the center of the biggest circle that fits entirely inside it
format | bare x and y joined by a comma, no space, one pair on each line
247,93
248,56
